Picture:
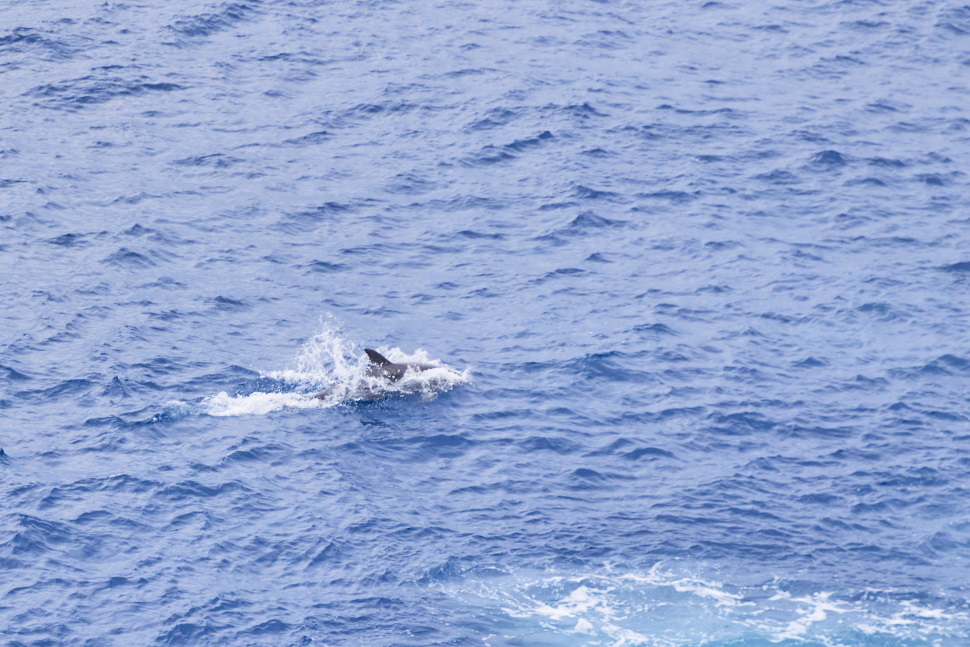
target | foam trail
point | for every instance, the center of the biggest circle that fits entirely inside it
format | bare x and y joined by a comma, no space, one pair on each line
257,403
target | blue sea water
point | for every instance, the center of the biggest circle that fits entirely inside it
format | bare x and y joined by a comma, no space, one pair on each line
696,275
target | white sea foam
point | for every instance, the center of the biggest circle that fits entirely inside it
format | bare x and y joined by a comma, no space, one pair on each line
662,608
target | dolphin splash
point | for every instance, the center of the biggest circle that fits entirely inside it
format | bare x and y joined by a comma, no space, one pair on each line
381,377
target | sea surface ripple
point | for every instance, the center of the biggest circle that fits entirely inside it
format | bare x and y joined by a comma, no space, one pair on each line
697,272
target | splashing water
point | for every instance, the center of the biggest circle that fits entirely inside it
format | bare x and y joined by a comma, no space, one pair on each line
328,360
324,359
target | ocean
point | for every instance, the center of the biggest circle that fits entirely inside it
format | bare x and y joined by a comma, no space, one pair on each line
693,277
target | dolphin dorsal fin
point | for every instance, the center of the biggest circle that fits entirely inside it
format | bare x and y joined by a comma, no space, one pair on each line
376,357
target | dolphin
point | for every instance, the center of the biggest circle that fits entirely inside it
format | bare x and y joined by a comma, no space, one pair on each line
380,367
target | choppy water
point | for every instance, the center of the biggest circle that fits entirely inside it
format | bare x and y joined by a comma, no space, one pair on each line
699,273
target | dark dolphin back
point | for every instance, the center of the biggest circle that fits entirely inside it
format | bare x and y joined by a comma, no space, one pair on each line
376,357
384,367
394,371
